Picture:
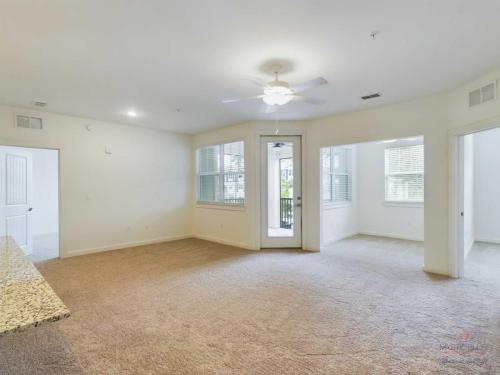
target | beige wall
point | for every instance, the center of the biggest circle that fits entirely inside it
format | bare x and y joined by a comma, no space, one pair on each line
140,193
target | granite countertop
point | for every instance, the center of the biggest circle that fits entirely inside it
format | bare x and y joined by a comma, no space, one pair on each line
26,299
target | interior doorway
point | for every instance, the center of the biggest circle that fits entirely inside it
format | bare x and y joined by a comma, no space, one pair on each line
372,200
281,201
478,205
29,200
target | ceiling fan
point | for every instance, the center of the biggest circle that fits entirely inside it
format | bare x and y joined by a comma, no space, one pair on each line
278,93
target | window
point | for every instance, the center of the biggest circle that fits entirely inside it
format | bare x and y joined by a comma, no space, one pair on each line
221,174
404,173
336,171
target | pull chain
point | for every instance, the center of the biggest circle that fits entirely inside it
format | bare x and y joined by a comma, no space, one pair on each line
277,121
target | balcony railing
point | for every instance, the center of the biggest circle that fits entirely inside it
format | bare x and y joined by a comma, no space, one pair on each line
286,213
238,201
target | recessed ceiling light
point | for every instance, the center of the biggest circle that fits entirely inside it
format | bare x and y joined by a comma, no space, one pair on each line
132,114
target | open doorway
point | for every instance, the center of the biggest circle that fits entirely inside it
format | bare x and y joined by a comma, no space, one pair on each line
29,200
372,200
479,205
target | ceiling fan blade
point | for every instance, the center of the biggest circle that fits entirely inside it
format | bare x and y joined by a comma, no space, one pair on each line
227,101
309,84
305,99
257,81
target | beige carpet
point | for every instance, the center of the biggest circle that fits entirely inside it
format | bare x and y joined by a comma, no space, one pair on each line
193,307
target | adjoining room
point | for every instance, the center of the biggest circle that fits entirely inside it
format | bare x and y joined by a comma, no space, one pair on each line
374,189
29,200
479,163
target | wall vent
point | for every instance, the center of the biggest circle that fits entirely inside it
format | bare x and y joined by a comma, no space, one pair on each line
371,96
29,122
483,94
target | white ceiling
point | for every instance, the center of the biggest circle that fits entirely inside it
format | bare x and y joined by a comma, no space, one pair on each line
101,58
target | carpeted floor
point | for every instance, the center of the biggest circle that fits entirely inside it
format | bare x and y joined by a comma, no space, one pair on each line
193,307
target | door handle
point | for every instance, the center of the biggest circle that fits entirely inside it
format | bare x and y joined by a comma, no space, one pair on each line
30,209
298,205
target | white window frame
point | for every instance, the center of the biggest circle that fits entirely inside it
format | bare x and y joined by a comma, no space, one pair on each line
330,203
400,144
219,202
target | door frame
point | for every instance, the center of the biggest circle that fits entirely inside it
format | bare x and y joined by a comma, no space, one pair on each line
455,157
264,190
59,200
258,187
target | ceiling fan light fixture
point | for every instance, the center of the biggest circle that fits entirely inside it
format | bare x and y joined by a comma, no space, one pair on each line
276,99
277,95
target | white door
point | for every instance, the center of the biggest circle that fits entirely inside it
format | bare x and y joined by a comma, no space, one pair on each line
460,205
281,192
465,203
16,196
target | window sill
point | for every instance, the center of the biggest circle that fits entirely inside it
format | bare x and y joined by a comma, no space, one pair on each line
221,206
333,206
404,204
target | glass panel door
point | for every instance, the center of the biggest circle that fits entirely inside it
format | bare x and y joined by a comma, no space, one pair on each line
281,192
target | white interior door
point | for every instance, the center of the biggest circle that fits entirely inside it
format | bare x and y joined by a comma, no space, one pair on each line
461,203
16,196
281,192
465,196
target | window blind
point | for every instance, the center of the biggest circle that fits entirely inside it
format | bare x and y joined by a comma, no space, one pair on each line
326,171
337,177
404,173
221,173
208,169
234,173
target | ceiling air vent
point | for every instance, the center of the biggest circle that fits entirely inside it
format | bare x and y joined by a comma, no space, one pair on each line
483,94
28,122
371,96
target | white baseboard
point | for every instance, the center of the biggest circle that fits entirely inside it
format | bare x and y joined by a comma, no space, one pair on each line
123,245
224,242
330,242
488,240
391,235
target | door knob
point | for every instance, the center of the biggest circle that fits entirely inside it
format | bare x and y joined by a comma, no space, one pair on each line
30,209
